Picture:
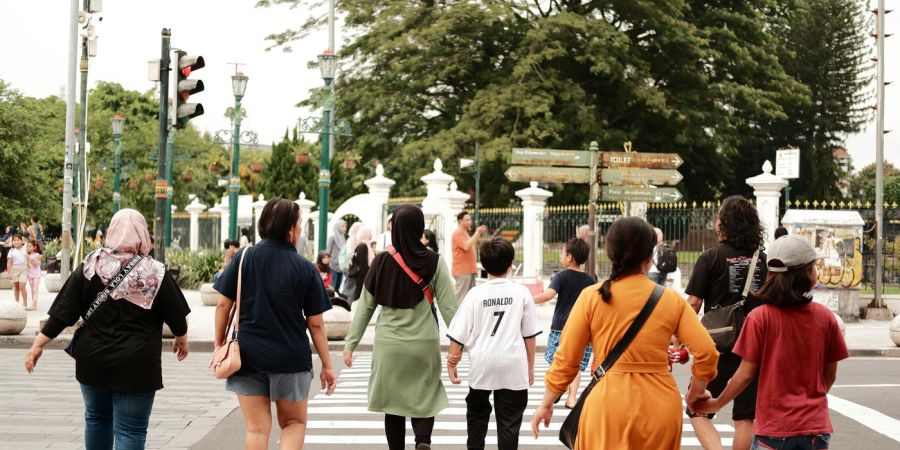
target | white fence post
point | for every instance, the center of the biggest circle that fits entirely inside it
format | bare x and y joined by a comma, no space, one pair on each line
534,200
258,206
194,209
451,203
767,189
379,190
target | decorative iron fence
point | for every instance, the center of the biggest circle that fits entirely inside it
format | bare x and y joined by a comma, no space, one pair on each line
209,231
561,223
688,228
505,223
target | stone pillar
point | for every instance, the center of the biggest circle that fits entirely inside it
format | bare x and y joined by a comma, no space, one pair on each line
450,204
379,191
767,189
305,213
224,216
306,207
436,184
194,209
258,206
534,200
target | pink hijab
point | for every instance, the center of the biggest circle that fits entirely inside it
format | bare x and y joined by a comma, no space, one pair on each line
127,236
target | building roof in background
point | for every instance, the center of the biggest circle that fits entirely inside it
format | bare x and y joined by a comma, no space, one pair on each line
840,152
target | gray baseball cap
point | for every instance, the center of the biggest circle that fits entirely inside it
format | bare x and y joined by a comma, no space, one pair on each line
790,252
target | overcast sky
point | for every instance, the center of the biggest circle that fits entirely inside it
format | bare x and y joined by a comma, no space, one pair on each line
35,50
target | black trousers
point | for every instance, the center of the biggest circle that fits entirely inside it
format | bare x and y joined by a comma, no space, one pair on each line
509,405
395,430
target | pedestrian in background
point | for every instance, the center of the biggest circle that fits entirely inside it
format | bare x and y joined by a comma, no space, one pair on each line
231,247
282,297
324,270
358,267
36,231
780,231
793,346
497,324
384,239
117,360
430,240
566,286
654,273
405,379
718,280
347,252
34,270
335,243
636,405
17,266
465,260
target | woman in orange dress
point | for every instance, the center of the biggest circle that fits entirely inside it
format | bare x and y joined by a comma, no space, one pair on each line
637,405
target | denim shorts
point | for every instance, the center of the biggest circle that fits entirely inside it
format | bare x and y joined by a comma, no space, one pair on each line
293,387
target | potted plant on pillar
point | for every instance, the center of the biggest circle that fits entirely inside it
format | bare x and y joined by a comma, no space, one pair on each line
302,158
351,161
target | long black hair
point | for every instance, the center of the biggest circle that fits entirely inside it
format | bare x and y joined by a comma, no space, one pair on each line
432,240
739,224
629,244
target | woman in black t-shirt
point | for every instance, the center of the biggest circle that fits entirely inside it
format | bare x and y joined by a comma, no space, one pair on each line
117,355
718,279
282,297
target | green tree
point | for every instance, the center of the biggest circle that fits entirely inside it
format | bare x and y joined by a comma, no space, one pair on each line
862,185
285,177
31,157
832,63
430,79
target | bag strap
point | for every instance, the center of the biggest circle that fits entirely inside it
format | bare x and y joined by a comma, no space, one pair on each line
113,284
629,335
412,275
750,275
234,319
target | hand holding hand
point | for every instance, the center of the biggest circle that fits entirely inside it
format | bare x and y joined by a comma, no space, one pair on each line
348,358
692,399
454,358
707,406
542,414
32,356
181,347
329,380
452,372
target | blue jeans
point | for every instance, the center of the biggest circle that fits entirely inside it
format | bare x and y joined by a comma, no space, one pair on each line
109,414
809,442
336,277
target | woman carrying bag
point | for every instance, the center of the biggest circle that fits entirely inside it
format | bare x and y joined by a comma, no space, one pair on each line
636,404
406,362
124,297
282,296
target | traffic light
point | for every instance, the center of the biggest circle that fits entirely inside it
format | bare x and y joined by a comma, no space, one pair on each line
185,87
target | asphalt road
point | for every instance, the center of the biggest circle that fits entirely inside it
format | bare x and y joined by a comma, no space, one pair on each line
865,411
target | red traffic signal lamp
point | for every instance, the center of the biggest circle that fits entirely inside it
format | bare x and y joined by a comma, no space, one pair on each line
185,87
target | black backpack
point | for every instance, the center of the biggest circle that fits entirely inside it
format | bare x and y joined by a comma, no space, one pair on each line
667,260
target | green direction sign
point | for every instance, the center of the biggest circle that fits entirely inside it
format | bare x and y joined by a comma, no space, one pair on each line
550,157
642,160
633,176
548,174
640,194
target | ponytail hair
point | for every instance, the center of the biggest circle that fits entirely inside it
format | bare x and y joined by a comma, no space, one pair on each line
629,244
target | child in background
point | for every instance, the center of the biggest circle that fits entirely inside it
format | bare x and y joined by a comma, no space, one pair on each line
793,345
17,265
322,262
567,286
498,323
34,270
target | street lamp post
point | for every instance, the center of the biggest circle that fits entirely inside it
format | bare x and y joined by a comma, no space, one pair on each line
238,87
118,123
327,67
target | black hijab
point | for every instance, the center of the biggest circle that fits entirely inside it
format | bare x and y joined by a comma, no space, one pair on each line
320,264
387,282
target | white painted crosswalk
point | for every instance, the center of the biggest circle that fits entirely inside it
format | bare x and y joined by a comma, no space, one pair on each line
343,421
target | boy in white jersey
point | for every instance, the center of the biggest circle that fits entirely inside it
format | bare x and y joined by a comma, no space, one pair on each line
497,322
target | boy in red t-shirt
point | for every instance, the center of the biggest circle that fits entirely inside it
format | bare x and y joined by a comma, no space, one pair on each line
793,345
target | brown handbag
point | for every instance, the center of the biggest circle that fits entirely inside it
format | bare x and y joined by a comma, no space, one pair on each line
227,359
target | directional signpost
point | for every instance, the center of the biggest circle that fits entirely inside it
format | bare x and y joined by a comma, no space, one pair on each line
550,157
641,194
549,174
629,176
642,160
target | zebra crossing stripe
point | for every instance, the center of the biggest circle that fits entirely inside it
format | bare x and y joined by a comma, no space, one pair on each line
450,426
524,441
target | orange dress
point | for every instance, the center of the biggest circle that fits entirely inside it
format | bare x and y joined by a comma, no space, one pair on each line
637,405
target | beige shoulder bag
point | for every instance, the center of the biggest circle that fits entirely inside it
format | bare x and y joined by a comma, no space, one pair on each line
227,359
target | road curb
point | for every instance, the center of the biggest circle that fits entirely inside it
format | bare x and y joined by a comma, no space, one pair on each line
24,342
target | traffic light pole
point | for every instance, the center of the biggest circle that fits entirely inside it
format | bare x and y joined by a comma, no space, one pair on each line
234,187
68,176
324,168
117,196
161,185
170,192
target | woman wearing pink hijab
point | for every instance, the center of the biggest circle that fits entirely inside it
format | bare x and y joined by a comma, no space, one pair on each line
123,297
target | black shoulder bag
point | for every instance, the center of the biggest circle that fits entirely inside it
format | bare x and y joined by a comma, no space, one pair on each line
102,297
569,429
724,323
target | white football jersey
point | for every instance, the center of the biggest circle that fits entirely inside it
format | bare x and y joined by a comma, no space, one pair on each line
492,323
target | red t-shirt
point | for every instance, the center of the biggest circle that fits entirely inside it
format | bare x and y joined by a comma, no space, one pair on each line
791,346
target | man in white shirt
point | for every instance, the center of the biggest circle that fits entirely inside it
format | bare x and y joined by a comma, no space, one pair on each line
498,323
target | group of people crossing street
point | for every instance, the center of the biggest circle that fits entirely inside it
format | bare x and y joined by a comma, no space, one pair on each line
775,364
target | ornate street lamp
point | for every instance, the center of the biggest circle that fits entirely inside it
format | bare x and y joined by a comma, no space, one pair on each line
118,123
238,87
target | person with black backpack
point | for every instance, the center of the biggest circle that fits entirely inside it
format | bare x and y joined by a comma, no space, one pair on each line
665,260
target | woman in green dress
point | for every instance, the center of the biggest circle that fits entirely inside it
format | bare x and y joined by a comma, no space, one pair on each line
406,362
